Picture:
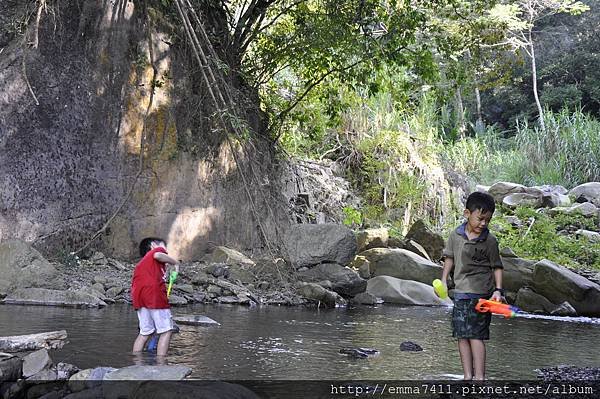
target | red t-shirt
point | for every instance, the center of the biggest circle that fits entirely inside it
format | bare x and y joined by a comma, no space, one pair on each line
148,289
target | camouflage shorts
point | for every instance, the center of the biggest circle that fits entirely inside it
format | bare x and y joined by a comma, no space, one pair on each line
469,323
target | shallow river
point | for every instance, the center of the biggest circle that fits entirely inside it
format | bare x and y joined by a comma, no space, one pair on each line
296,343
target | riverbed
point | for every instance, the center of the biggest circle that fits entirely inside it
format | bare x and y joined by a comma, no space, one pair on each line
273,342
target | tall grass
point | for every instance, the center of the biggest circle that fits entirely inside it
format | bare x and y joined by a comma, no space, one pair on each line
568,153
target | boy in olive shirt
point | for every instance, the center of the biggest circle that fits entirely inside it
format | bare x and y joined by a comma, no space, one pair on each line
472,251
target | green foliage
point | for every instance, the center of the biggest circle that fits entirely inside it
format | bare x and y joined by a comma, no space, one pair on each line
353,217
537,238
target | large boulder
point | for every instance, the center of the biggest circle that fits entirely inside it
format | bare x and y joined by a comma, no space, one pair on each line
532,302
10,368
592,236
229,256
402,264
372,238
43,296
560,284
517,273
405,292
344,280
585,209
317,293
549,189
311,244
587,192
35,362
503,189
522,199
432,242
22,266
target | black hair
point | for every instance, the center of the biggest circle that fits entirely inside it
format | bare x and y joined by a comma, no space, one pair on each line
482,201
145,244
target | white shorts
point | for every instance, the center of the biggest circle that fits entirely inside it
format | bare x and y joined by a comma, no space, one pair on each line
152,320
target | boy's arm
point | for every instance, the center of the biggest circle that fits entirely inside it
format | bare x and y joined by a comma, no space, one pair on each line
498,292
164,258
448,266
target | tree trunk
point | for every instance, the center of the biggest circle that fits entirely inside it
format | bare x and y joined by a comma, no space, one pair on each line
460,111
534,79
479,123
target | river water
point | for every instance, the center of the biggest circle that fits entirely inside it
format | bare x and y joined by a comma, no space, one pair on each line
296,343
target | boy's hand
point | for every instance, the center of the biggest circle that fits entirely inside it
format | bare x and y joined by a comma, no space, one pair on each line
497,296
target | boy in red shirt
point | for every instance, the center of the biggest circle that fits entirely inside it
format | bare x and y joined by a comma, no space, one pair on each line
149,294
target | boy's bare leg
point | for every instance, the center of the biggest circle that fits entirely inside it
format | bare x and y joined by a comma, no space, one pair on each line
478,350
163,343
140,341
466,357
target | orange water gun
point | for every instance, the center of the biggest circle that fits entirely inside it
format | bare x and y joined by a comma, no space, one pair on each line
504,309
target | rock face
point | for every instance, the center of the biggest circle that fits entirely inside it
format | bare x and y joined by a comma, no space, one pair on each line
22,266
559,284
405,292
42,296
36,362
311,244
402,264
74,167
343,280
432,243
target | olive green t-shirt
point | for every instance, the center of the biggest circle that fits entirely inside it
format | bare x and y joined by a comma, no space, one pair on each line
474,261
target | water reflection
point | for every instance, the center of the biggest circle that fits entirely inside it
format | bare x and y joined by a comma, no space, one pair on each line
295,343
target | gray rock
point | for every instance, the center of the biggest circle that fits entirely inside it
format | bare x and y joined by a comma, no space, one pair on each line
585,209
195,320
176,300
200,279
432,242
242,273
372,238
409,346
592,236
218,270
517,272
43,376
22,266
146,373
587,192
522,199
364,298
264,285
406,292
502,189
529,301
362,265
344,280
481,188
36,362
317,293
560,284
186,288
564,309
230,299
100,280
311,244
10,367
229,256
5,287
213,289
42,296
113,292
552,189
402,264
555,200
64,371
99,287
